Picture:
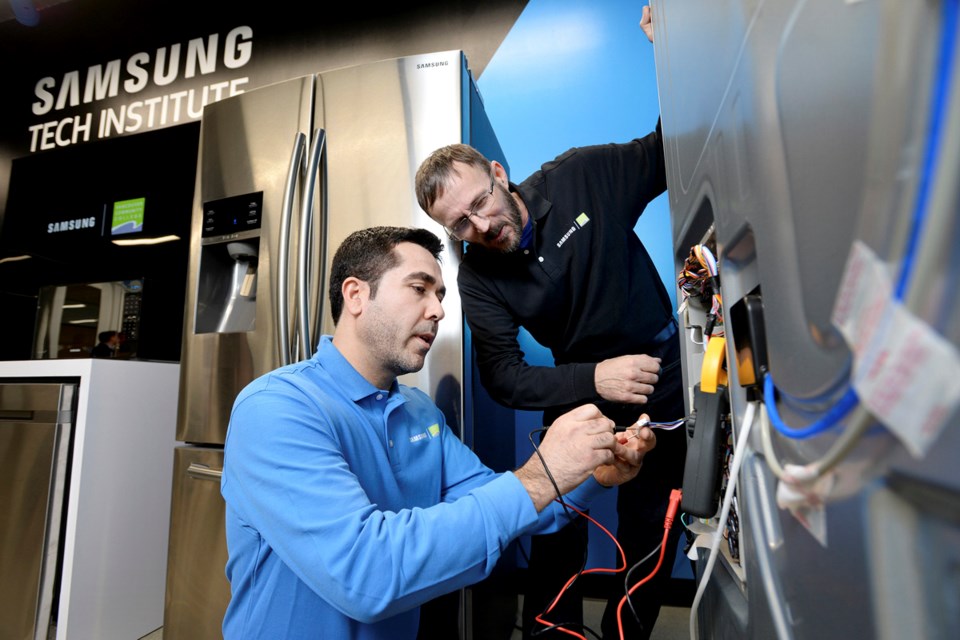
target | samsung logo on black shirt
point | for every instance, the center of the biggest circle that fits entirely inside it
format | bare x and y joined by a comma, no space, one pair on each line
581,220
427,65
71,225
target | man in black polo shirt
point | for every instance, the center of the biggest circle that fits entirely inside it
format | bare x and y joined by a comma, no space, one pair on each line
557,255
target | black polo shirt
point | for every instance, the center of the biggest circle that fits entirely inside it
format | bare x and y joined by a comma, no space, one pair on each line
586,289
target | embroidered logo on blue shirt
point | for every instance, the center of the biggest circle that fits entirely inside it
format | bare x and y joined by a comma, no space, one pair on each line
578,223
432,432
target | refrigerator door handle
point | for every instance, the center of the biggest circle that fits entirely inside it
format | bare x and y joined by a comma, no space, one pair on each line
305,244
283,251
202,472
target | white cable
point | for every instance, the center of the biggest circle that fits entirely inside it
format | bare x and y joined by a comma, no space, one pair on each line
859,422
738,454
710,260
769,454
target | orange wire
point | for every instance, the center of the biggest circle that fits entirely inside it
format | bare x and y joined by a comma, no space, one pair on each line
623,560
675,496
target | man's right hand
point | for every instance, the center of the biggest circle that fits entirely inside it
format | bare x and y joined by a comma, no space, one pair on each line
646,23
576,444
627,379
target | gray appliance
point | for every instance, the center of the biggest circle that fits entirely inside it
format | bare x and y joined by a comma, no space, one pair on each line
795,135
36,425
285,173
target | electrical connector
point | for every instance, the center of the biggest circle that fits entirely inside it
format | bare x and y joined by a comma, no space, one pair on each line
676,495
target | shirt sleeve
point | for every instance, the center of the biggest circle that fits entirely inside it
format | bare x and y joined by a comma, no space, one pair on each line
504,370
286,477
627,176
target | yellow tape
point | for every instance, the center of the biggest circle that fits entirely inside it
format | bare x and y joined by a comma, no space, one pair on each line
712,372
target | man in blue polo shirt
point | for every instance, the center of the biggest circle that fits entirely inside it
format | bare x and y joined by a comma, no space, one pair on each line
349,501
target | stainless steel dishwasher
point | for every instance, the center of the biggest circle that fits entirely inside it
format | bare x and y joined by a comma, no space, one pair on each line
36,426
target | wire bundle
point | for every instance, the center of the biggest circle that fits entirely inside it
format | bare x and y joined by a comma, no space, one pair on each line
663,426
699,280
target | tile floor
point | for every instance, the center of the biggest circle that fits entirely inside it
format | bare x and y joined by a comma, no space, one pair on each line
673,623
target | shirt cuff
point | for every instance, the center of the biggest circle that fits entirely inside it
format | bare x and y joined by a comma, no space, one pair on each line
587,492
507,499
584,382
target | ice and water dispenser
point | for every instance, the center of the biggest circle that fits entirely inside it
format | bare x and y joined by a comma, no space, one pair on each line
229,257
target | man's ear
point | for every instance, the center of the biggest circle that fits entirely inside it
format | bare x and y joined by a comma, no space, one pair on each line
499,172
355,293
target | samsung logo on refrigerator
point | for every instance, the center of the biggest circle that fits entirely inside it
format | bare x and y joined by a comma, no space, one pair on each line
71,225
427,65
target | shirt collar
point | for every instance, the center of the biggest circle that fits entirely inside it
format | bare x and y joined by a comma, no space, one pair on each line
537,205
526,237
354,385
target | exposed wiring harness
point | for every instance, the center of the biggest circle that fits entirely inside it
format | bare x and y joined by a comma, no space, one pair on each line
699,280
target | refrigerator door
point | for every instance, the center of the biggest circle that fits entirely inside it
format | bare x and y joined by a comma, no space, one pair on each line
197,588
239,293
381,121
35,427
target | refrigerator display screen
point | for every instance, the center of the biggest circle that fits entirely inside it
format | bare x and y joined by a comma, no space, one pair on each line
232,215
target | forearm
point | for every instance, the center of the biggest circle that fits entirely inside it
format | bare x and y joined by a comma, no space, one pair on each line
519,385
554,517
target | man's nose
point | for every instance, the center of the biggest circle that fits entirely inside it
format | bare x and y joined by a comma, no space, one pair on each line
435,310
481,223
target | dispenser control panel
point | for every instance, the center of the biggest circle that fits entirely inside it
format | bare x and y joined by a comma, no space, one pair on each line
232,215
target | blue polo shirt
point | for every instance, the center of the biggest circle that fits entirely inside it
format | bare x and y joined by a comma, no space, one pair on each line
348,506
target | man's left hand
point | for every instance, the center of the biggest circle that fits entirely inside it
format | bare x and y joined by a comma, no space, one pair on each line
632,445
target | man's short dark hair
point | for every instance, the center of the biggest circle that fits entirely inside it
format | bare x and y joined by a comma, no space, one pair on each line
104,336
434,172
367,254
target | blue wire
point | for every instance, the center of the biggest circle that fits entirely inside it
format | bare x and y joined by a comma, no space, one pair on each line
834,414
944,72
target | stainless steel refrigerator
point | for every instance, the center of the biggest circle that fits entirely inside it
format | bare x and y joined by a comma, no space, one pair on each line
284,174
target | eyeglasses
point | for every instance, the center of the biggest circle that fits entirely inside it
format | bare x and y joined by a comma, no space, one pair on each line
461,227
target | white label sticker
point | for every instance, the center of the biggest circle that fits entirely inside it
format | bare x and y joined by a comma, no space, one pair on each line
905,373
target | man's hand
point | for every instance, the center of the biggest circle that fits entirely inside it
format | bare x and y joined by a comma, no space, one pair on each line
646,23
632,445
627,379
576,444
